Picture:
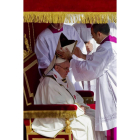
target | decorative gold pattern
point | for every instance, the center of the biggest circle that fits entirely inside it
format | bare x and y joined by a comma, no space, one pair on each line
88,100
33,33
68,128
31,132
28,51
70,17
28,129
26,99
30,94
29,57
30,65
29,35
59,132
30,123
49,114
26,80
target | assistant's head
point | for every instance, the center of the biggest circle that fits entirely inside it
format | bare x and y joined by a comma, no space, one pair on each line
62,68
100,31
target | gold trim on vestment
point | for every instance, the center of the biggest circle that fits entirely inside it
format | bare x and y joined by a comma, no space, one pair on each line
49,114
68,91
70,17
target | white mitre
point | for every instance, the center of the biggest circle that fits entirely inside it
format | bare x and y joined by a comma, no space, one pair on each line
63,42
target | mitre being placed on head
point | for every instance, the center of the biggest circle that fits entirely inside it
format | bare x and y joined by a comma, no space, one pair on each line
64,43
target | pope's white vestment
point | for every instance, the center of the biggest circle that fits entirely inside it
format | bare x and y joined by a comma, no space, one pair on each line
101,65
49,91
46,45
84,30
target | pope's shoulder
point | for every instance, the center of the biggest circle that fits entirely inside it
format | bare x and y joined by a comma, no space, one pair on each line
47,81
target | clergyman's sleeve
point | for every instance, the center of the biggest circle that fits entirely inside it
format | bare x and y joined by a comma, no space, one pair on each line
42,53
94,66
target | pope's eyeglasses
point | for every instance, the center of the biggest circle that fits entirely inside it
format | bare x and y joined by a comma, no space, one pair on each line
66,69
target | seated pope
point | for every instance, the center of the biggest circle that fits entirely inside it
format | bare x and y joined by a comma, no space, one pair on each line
56,88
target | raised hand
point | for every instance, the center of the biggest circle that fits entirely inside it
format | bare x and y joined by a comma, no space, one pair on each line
89,46
78,53
64,53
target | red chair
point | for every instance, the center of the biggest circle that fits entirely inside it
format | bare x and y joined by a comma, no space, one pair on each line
88,97
31,111
31,81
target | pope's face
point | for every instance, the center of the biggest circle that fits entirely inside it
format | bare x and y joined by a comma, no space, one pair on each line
63,69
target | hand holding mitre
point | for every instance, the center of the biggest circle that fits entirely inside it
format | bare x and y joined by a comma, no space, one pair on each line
89,47
66,54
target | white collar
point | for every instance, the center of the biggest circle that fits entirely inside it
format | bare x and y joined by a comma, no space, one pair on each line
55,28
59,79
59,76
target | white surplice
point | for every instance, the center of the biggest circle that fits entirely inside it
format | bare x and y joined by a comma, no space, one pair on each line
84,30
49,91
46,44
113,28
101,65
